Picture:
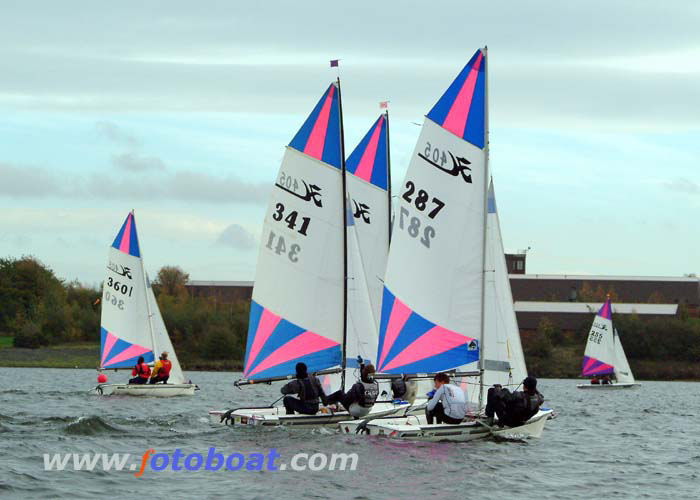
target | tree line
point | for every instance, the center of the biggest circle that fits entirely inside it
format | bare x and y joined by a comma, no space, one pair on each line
39,309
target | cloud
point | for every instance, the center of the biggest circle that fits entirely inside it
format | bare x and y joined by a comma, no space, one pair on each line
236,236
179,185
636,65
683,185
133,162
116,134
27,182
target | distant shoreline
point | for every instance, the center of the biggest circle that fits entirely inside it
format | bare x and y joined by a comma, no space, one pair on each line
564,364
85,356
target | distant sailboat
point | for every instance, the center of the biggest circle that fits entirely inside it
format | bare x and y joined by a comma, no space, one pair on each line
605,355
434,298
131,324
301,304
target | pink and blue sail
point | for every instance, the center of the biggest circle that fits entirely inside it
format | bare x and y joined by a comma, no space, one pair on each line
319,136
276,345
592,366
127,240
409,343
369,160
118,353
462,108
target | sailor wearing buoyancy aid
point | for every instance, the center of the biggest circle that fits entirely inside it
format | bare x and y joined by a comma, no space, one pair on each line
516,408
308,388
360,399
141,372
161,370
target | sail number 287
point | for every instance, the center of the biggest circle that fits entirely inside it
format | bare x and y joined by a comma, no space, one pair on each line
413,226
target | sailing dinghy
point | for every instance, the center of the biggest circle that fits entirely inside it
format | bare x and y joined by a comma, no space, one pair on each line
434,306
304,307
131,324
605,355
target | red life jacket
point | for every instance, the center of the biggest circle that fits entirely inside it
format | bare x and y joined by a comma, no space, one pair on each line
142,370
165,367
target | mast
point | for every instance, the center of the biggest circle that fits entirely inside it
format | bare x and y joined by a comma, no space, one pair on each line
483,249
388,172
345,240
148,305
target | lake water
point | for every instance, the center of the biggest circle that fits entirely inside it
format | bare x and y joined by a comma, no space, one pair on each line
624,444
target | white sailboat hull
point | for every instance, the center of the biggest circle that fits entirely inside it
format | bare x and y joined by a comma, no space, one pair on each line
609,387
416,428
152,390
275,416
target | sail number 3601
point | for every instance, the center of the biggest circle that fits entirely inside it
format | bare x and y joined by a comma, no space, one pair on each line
122,288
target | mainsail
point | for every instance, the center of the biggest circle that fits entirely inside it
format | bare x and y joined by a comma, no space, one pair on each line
125,327
298,311
599,358
432,308
370,201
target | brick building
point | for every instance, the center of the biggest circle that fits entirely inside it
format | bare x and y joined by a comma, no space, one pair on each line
567,300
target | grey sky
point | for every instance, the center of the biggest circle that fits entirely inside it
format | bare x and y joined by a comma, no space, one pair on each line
181,110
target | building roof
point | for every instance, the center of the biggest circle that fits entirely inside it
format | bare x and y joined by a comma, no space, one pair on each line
584,277
220,283
592,307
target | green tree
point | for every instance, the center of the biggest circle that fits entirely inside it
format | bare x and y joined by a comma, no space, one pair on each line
171,280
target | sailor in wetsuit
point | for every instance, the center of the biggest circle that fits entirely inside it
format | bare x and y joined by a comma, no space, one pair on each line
513,408
360,399
308,388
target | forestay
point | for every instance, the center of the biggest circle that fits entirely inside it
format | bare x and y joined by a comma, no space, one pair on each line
599,357
297,311
432,300
124,327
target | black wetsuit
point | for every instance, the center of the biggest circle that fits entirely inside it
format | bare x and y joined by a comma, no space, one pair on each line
512,408
308,389
362,393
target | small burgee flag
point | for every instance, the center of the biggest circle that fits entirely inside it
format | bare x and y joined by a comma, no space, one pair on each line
383,104
334,63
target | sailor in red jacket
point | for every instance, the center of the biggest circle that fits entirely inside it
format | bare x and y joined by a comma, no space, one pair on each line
141,372
161,370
